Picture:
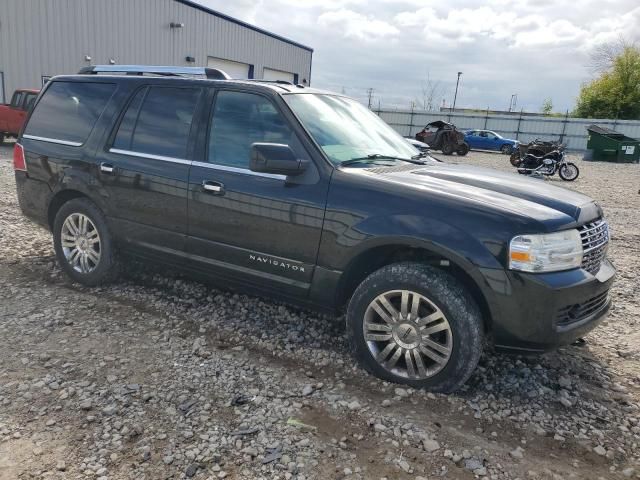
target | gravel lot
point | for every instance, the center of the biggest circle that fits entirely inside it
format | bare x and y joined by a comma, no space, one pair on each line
158,376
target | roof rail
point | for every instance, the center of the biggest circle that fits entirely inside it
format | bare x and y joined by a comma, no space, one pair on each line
282,82
163,70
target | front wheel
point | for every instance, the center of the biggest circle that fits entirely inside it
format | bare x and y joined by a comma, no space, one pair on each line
569,172
414,324
83,244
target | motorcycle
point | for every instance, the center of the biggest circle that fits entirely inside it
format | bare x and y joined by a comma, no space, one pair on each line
548,164
538,148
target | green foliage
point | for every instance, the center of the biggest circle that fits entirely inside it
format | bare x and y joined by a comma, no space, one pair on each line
547,106
616,92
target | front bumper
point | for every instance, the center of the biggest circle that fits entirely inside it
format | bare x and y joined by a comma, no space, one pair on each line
539,312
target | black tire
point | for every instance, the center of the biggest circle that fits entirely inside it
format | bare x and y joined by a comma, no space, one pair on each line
569,172
463,149
447,148
506,149
106,268
443,291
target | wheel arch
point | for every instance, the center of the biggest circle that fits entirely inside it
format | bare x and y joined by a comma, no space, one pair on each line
376,257
59,199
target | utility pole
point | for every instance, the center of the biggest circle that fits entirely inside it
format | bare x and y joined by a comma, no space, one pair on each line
370,95
455,96
513,101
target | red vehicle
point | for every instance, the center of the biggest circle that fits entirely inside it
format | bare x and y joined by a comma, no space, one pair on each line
13,115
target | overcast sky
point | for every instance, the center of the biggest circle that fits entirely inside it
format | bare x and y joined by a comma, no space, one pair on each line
533,48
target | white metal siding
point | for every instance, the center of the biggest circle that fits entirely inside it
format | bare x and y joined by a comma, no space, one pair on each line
52,37
571,131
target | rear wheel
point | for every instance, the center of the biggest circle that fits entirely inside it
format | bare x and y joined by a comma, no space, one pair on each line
506,149
569,172
413,324
447,148
463,149
83,243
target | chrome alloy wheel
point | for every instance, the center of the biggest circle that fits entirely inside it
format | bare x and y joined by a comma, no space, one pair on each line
80,242
407,334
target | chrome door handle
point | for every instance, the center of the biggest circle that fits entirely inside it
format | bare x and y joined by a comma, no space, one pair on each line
214,187
106,168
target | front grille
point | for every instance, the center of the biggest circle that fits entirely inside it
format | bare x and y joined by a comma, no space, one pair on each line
595,239
579,311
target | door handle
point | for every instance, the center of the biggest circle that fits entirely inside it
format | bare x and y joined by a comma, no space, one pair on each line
106,168
215,188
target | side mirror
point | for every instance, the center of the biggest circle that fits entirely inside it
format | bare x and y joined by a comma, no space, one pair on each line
275,158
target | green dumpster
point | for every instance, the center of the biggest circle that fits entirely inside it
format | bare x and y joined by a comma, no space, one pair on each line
611,146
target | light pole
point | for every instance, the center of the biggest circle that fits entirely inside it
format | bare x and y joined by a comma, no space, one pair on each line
512,102
455,96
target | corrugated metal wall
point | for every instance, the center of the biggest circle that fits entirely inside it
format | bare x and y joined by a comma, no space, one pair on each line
51,37
571,131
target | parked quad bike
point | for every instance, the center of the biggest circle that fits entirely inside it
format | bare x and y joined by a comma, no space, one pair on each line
538,148
445,137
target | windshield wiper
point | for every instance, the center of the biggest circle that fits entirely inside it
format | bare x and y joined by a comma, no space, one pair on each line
378,156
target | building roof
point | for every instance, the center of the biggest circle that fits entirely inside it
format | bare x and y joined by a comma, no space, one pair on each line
240,22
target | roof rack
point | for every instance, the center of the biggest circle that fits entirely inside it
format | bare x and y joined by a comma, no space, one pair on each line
162,70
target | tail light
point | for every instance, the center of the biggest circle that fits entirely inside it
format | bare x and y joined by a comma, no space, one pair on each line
19,162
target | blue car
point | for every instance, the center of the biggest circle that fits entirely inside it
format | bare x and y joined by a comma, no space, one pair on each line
488,140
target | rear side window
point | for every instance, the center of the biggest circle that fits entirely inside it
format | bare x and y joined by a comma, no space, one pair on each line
68,111
158,121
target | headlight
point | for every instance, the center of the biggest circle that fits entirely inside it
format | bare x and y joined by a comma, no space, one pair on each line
549,252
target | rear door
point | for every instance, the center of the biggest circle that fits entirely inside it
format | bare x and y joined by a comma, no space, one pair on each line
255,228
144,168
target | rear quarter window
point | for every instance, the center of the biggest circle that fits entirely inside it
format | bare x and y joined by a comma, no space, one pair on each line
68,111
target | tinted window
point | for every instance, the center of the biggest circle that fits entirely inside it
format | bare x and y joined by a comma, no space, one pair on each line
16,100
69,110
28,103
124,137
158,122
240,119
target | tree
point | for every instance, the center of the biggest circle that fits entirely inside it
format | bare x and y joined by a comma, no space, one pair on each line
431,90
547,106
615,93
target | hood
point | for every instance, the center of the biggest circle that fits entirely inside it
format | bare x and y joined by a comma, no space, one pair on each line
500,190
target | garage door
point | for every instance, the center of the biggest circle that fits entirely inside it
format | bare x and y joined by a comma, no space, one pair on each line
233,69
272,74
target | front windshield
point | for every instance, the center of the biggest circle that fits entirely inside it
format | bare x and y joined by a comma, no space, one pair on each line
347,130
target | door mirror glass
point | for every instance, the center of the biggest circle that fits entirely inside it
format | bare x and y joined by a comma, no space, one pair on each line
275,158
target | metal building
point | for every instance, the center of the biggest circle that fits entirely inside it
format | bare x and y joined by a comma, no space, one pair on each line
43,38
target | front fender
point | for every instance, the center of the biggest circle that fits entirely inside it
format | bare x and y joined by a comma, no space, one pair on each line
415,231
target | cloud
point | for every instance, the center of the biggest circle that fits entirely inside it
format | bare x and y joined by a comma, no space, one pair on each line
535,48
355,25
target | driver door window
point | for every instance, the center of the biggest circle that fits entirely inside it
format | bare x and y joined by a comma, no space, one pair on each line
240,119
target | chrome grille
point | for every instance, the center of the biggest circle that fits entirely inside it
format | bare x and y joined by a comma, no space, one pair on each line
595,240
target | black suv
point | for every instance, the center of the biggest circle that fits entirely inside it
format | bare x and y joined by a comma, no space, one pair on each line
309,197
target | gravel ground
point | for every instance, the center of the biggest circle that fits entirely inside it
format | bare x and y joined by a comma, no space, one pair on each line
158,376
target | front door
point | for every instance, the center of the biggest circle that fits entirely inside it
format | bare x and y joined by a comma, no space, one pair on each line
255,228
145,170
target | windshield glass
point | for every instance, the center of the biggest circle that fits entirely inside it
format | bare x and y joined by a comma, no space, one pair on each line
347,130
